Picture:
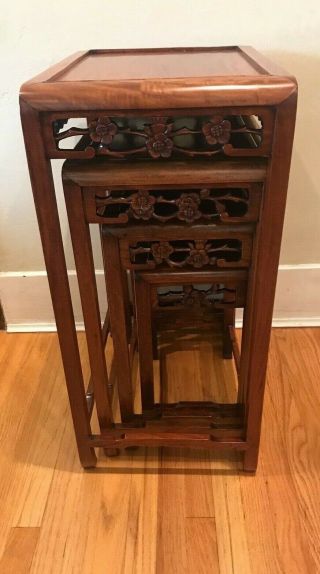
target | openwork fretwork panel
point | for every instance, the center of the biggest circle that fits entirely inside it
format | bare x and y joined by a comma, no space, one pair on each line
219,133
215,296
197,254
218,205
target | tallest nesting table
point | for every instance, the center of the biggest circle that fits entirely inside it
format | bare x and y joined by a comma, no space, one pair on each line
219,108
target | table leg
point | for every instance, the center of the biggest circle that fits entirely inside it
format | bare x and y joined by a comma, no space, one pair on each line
127,302
228,320
82,248
262,281
118,320
145,344
49,226
153,303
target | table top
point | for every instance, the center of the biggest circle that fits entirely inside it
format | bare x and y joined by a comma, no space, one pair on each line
159,78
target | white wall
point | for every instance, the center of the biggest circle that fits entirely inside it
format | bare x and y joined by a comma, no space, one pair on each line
35,34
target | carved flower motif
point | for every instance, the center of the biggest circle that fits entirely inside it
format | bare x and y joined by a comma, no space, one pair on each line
188,205
198,256
142,204
161,251
217,130
159,142
102,130
193,297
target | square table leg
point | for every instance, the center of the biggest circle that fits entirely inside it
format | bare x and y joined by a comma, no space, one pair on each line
82,248
49,226
143,302
119,323
262,282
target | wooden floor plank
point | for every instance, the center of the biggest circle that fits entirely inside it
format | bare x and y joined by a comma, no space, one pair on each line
38,442
33,401
115,510
259,529
294,548
273,505
296,449
19,550
201,541
232,542
84,525
141,530
171,534
160,511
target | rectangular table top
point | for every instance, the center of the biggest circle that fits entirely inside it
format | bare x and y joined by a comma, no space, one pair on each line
102,65
156,78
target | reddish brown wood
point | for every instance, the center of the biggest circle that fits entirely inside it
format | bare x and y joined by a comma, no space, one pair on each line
166,174
143,294
119,324
185,277
127,303
228,321
263,278
222,133
81,241
145,341
210,86
48,220
235,347
199,247
236,203
138,437
230,75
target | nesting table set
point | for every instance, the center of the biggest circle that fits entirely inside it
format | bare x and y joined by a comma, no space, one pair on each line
182,159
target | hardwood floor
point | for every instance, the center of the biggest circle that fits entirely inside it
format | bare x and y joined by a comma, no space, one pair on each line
161,512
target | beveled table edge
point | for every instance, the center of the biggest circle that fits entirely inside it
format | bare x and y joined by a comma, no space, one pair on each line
270,88
107,172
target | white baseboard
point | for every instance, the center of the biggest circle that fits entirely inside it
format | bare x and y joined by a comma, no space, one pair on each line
26,301
27,306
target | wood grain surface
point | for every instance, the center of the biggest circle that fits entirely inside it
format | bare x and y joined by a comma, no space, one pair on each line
159,511
128,78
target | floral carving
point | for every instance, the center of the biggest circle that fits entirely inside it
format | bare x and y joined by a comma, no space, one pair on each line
142,204
181,253
103,131
162,137
217,296
194,297
188,207
159,142
198,256
161,251
217,130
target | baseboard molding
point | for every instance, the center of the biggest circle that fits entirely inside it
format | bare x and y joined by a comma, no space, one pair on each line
27,306
38,327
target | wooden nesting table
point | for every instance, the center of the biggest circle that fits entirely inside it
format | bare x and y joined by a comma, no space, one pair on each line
202,121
